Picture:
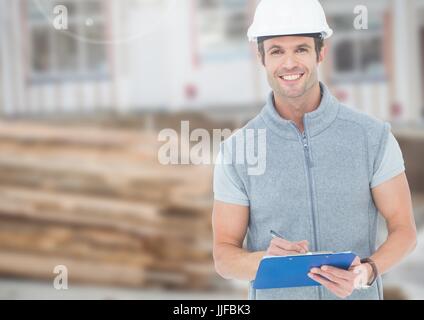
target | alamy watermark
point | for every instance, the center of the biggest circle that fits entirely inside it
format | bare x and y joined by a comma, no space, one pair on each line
60,282
200,147
361,20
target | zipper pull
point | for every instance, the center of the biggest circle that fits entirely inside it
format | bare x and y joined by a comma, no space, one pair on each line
308,158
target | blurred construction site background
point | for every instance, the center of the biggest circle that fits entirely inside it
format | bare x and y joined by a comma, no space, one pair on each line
81,108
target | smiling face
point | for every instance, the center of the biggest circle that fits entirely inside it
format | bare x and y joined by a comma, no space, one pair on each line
291,64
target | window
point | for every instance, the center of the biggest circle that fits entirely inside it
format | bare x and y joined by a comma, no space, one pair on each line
371,58
345,60
72,54
357,54
222,27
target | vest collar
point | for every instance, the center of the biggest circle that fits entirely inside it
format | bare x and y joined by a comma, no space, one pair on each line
314,122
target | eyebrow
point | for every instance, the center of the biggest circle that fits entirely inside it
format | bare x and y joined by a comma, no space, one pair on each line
303,45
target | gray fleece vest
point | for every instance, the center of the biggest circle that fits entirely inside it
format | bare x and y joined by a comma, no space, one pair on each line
316,186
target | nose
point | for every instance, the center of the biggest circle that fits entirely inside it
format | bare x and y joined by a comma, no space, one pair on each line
289,62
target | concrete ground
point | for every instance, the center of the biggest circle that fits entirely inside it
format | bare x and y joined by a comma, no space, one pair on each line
408,277
18,289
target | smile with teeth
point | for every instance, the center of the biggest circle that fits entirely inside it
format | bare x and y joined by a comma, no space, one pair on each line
292,77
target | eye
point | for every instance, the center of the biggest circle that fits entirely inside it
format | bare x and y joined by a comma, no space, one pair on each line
275,52
302,50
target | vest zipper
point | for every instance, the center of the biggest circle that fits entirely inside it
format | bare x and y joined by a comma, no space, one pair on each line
306,149
309,165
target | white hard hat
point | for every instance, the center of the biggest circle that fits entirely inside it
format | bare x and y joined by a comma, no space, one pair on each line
288,17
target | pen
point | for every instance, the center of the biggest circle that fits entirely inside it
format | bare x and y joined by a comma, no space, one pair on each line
276,234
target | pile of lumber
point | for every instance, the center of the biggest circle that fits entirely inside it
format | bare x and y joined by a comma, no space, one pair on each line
97,201
412,144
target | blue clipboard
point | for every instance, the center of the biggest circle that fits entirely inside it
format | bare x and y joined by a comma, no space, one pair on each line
292,271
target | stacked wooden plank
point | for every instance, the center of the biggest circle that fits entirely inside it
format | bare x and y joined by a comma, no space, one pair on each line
97,201
411,142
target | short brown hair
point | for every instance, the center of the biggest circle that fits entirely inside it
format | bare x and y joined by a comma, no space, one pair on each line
319,43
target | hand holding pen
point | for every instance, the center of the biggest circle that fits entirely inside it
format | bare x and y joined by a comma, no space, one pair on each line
282,247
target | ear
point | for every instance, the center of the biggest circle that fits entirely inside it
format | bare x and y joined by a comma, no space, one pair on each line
258,56
323,53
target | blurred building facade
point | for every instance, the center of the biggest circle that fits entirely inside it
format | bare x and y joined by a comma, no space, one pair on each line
140,55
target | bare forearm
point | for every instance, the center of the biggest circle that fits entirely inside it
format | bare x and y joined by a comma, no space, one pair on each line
232,262
400,242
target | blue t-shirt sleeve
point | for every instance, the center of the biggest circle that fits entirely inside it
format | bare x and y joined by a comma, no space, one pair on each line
392,163
227,186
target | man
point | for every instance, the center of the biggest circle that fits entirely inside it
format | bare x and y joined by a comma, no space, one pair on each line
329,172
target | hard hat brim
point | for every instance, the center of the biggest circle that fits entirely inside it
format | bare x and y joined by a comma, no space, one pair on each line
325,34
